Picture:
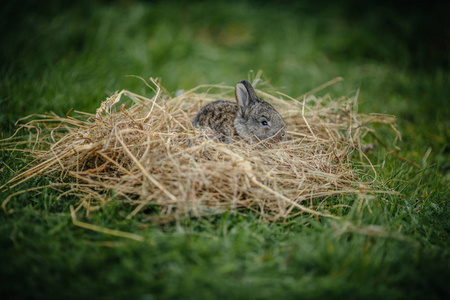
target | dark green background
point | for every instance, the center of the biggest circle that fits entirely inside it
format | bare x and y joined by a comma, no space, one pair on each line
56,56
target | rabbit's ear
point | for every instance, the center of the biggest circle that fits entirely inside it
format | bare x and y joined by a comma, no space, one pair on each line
242,97
250,91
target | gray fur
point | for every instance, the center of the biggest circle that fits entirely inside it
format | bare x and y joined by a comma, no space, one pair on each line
244,119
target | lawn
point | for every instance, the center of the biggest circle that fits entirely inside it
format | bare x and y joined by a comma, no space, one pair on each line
56,57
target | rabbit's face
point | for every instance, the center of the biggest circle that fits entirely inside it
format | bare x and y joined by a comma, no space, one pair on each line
260,122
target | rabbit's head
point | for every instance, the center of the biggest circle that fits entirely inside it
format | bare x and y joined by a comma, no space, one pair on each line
257,120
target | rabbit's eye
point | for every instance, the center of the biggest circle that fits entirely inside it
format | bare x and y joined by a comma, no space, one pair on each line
264,123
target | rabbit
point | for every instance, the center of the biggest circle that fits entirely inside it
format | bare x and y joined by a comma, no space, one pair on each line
250,118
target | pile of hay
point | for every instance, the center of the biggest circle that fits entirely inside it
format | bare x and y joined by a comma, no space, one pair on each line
150,157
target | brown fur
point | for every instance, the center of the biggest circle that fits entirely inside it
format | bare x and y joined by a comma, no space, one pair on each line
219,116
250,118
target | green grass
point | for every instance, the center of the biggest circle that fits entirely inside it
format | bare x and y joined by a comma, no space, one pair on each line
54,58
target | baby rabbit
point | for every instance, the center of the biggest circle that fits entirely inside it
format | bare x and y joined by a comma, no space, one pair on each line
250,118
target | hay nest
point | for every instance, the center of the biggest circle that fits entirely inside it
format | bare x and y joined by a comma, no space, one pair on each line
149,156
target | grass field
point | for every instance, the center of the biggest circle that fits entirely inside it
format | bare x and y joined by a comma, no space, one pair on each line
55,57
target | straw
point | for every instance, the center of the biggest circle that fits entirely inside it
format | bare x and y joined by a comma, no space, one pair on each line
151,156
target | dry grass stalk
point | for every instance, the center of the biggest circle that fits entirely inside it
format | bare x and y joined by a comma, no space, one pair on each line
149,155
